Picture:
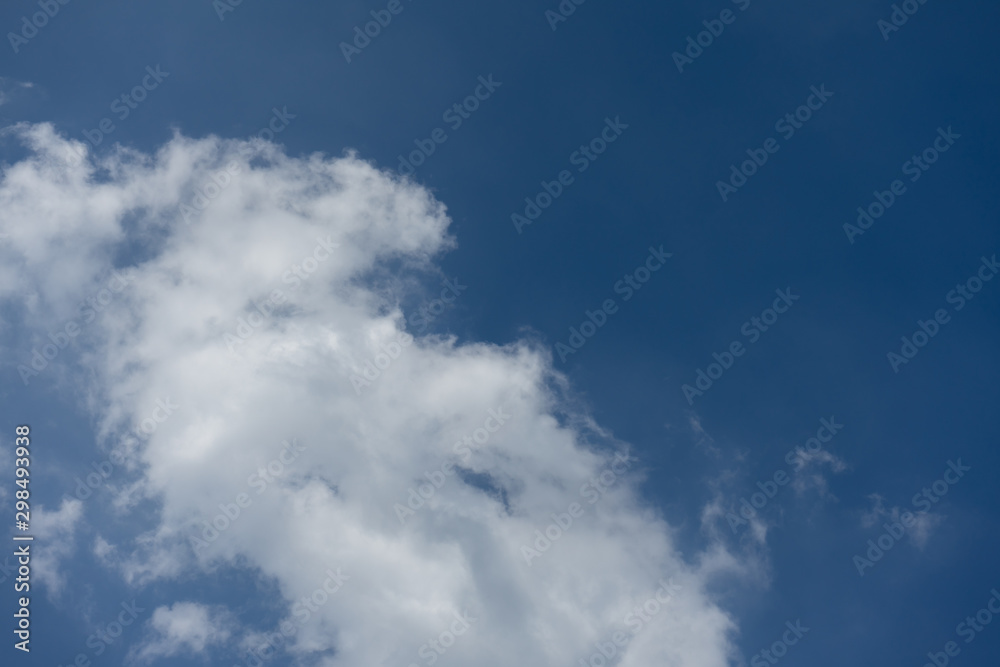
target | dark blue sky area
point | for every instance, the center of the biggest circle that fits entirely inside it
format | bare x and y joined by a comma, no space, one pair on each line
656,185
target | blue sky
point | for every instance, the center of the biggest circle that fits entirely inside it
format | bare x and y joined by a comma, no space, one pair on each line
203,81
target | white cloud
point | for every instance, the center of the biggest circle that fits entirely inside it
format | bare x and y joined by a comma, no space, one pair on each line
704,439
182,628
54,533
808,472
751,520
332,506
10,88
919,532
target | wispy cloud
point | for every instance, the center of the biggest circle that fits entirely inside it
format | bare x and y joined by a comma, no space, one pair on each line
10,89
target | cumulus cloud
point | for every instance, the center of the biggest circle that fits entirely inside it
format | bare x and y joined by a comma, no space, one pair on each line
184,628
268,305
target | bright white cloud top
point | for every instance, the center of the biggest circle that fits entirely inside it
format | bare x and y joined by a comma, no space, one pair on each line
256,312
